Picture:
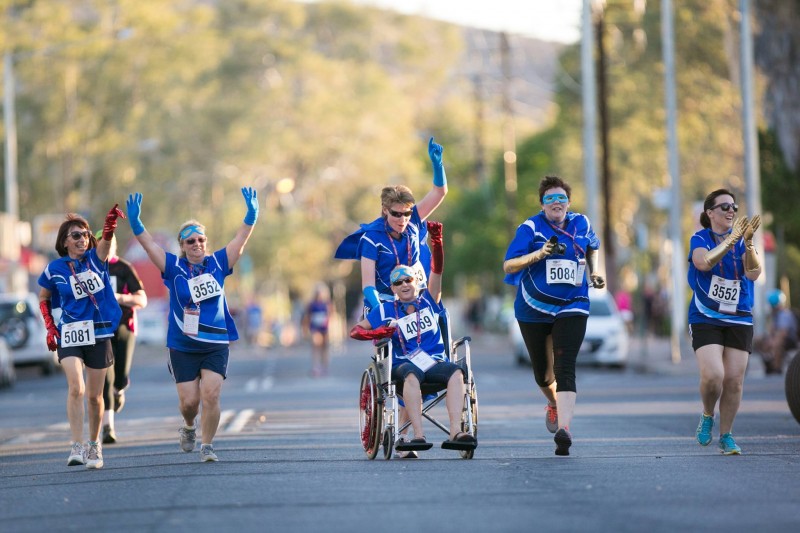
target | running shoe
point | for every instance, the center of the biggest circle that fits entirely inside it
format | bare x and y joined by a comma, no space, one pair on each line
207,453
109,436
563,441
551,418
188,438
704,428
728,446
77,456
94,455
119,401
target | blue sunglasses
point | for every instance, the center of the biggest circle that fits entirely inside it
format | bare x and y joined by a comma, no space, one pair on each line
553,198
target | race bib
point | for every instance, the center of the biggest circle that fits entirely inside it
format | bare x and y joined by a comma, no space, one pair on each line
191,321
85,281
408,324
114,283
319,319
77,334
422,279
561,271
726,293
421,359
204,287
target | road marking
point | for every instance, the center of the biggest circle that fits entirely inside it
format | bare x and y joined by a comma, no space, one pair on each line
239,422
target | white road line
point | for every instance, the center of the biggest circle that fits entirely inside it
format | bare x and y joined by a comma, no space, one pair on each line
239,422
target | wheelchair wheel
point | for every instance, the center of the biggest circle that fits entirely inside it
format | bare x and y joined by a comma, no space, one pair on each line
473,398
370,412
792,385
388,443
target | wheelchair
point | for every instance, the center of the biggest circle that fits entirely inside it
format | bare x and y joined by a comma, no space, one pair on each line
378,400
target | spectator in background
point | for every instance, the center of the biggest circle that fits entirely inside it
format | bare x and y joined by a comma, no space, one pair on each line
316,322
624,304
782,334
130,297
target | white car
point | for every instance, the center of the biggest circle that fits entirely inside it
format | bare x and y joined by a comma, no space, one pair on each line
606,341
22,327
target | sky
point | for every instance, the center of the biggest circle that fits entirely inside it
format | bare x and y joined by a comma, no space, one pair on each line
551,20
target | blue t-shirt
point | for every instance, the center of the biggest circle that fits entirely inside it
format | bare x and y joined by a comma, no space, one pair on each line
424,319
70,293
374,242
216,323
543,292
710,290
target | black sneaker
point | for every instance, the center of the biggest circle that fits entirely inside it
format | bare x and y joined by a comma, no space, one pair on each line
109,437
563,441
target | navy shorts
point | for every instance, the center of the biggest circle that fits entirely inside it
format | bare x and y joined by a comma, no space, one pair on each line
98,355
438,373
186,366
737,337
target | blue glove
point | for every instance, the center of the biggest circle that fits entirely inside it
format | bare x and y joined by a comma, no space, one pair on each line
371,296
134,205
435,153
251,200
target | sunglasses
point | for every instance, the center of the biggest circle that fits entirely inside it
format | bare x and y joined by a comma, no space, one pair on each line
726,206
398,214
77,235
193,240
553,198
402,281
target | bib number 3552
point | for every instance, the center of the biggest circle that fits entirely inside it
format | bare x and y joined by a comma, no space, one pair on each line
204,287
725,292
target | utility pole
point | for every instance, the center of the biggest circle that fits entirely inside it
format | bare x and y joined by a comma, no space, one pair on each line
676,248
605,149
589,103
10,123
509,137
752,172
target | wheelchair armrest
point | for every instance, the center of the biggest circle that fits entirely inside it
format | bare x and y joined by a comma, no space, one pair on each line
462,341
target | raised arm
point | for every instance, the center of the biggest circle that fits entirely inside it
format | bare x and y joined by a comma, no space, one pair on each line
235,248
109,227
434,198
155,252
437,260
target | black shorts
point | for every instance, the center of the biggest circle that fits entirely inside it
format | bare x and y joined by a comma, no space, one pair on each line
186,366
99,355
737,337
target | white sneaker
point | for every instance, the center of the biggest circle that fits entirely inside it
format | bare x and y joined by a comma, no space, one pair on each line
94,455
77,456
207,453
188,438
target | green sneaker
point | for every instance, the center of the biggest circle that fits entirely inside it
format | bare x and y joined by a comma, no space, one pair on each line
728,446
704,428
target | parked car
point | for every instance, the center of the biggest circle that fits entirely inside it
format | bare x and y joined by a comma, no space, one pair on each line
606,341
7,374
22,327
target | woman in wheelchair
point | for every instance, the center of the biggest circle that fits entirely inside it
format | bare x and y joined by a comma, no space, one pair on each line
418,347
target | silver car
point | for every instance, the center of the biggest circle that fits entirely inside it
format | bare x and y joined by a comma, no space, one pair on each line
606,341
22,327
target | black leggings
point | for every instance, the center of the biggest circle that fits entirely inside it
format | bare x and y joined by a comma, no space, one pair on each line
123,342
558,365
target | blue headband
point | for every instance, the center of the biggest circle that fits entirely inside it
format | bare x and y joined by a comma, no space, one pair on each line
402,271
188,230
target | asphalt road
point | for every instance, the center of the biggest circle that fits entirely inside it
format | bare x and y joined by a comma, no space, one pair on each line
290,458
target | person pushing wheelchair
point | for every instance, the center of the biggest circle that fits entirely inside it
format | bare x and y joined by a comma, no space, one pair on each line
418,351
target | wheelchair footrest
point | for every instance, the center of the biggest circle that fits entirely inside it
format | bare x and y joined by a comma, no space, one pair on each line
463,441
413,445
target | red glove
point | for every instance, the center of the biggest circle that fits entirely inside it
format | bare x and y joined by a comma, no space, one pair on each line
360,334
437,247
52,331
111,222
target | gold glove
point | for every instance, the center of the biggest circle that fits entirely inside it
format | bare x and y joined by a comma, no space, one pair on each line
518,263
716,254
595,279
751,262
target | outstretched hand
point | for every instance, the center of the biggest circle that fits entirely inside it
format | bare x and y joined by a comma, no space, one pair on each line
362,334
251,201
134,207
110,225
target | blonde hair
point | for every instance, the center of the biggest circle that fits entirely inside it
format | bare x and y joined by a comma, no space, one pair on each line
397,194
